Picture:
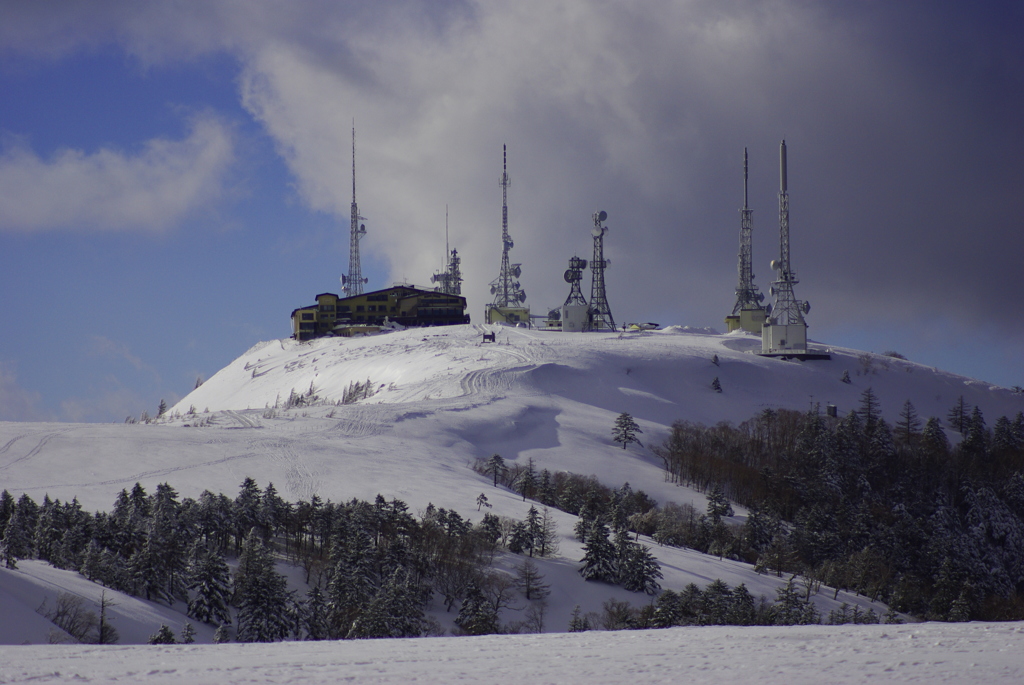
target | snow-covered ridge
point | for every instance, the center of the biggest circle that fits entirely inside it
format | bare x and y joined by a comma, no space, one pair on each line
442,398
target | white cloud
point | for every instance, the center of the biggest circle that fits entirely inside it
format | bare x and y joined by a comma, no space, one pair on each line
112,189
17,403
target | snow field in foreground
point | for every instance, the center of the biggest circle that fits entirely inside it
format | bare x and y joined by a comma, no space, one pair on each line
922,653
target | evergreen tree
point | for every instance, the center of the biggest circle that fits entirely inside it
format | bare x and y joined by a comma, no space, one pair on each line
534,530
7,505
221,635
210,585
715,604
716,385
526,484
396,611
626,430
598,555
578,623
742,608
668,610
261,594
164,636
718,505
477,616
188,634
792,609
909,425
496,467
958,415
314,617
639,570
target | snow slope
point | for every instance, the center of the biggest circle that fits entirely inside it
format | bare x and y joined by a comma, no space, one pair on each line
444,398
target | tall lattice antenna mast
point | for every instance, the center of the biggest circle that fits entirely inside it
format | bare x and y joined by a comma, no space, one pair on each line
600,312
451,278
787,310
353,283
505,288
747,295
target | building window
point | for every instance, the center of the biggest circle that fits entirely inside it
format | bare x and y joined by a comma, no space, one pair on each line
360,308
307,316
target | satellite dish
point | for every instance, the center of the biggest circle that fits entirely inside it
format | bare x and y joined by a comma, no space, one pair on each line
494,289
602,215
775,265
806,307
607,263
597,231
522,296
510,244
768,308
555,314
516,271
583,264
760,297
571,276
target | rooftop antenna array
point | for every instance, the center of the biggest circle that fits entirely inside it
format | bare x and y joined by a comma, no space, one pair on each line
353,283
505,288
600,312
451,278
786,328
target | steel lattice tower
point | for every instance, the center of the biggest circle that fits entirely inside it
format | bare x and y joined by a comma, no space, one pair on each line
600,312
505,288
451,278
747,295
353,283
787,310
573,276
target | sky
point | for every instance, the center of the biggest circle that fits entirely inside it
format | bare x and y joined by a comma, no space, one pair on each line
176,179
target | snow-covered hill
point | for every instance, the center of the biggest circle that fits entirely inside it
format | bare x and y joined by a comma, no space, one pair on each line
440,398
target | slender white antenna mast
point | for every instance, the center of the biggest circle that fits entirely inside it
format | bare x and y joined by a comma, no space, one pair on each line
353,283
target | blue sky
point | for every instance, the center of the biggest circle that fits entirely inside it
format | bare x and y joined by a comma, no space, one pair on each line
173,182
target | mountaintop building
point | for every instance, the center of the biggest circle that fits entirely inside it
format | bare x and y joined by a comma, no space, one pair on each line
402,304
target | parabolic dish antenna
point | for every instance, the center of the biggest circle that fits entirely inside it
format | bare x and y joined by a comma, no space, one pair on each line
602,215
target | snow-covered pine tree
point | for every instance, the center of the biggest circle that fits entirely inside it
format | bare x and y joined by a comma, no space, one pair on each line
210,585
164,636
477,616
639,570
626,430
314,615
261,594
598,560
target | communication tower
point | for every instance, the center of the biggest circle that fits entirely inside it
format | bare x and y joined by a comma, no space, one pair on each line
600,313
747,313
353,283
509,297
450,279
785,331
575,313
